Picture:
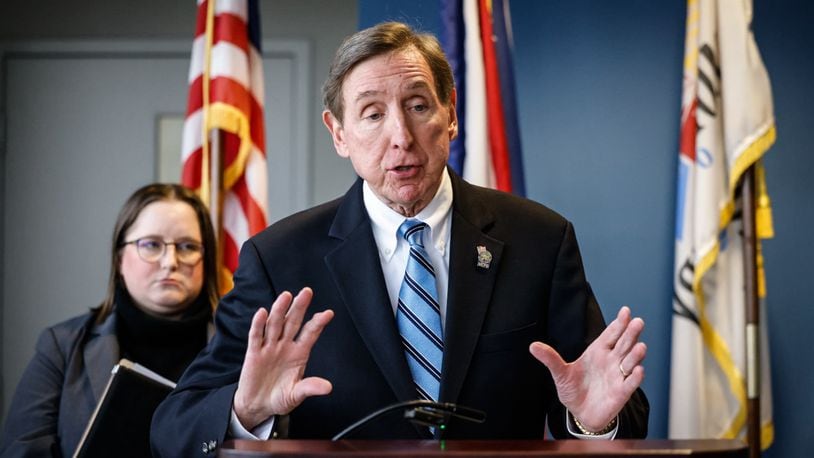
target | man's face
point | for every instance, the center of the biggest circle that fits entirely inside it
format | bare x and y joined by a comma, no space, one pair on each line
396,131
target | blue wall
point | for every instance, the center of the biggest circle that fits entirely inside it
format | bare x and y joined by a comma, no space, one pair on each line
785,36
599,88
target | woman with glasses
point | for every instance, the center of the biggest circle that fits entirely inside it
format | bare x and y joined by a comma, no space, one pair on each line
157,312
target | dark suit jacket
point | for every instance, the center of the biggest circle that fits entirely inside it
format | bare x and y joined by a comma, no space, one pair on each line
534,289
60,388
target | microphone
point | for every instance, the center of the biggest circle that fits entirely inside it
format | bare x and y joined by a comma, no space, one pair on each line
423,412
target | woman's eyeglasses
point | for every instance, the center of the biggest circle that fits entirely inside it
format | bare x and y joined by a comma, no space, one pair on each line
151,249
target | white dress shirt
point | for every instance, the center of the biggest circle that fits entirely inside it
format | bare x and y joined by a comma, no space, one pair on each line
394,250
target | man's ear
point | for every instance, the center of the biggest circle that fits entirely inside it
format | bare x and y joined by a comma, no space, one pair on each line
453,115
337,133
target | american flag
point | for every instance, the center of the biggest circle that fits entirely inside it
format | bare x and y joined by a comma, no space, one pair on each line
223,130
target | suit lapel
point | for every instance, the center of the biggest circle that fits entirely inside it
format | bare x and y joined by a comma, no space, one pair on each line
470,285
101,354
357,273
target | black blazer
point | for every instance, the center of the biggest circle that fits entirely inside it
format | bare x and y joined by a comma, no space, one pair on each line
60,387
534,289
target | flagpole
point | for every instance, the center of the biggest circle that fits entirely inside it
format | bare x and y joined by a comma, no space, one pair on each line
212,148
216,196
752,305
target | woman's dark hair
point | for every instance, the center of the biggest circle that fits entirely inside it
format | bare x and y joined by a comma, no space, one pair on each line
127,216
382,39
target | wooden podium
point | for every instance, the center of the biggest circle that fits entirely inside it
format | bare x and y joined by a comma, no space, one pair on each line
461,448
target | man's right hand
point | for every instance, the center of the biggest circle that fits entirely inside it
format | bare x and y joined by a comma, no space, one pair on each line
279,345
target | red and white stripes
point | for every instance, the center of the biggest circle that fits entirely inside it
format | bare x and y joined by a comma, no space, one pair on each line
226,95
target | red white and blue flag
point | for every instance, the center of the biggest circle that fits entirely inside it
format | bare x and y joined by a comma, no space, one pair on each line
477,41
223,152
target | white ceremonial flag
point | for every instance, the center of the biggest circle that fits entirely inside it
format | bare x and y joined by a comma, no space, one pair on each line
727,124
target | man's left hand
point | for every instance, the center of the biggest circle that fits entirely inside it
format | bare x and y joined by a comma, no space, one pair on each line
595,387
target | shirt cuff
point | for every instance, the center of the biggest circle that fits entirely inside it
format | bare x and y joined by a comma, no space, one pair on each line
259,432
607,436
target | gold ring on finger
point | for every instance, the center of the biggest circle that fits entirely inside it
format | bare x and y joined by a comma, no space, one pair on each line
622,370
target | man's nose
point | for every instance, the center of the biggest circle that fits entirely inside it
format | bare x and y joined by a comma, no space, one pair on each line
401,135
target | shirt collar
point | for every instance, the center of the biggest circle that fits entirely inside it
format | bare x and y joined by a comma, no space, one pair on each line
385,221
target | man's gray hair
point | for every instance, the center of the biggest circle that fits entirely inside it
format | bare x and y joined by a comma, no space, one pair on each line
382,39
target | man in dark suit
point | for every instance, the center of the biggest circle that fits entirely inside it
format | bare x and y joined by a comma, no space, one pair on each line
509,281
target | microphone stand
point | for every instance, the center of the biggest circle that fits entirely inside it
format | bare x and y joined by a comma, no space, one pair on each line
424,412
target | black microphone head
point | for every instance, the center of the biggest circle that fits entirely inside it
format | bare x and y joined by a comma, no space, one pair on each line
424,412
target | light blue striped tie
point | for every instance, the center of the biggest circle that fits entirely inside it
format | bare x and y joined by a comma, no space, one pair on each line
419,315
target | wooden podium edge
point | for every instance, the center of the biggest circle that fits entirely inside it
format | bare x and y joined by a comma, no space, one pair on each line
476,448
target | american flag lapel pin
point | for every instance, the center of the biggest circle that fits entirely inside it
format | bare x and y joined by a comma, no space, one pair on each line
484,257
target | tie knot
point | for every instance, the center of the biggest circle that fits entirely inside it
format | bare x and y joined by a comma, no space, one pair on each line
411,231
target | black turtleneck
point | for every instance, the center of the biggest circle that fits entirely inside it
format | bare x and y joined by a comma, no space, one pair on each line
162,345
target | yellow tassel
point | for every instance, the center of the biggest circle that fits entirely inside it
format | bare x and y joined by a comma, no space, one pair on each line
763,213
225,278
766,435
765,227
761,274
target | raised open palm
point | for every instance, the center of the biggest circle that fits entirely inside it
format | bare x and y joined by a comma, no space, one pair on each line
596,386
279,345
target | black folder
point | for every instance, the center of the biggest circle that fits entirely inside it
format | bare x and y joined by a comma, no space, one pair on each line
120,425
